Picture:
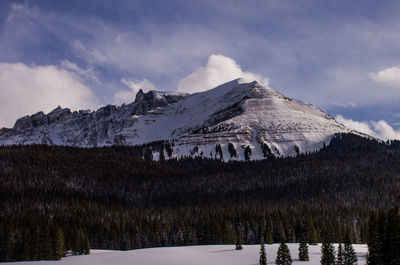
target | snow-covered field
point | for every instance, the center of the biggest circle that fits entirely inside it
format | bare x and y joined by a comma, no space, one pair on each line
193,255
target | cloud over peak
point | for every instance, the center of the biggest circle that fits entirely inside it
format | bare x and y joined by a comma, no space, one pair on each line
127,96
28,89
379,129
218,70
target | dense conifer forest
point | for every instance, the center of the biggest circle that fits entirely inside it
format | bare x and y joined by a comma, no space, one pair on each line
55,199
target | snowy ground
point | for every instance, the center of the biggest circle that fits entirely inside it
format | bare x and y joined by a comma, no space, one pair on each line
194,255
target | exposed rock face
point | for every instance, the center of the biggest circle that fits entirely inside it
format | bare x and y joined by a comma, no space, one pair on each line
85,128
253,120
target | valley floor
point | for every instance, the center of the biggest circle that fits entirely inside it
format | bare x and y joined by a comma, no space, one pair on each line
192,255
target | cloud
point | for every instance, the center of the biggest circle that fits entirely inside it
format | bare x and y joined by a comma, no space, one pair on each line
379,129
90,55
389,76
127,96
219,69
345,105
28,89
20,10
86,73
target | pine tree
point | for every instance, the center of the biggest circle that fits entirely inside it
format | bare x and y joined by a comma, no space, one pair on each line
381,239
238,243
45,248
247,153
232,150
313,240
58,243
340,258
76,247
137,243
4,234
283,256
228,233
27,248
303,251
328,254
86,245
263,255
349,255
391,247
269,239
156,239
372,239
35,243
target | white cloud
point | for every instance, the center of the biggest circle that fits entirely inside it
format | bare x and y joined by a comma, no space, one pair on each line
389,76
127,96
21,10
91,56
219,69
345,105
28,89
86,73
379,129
121,36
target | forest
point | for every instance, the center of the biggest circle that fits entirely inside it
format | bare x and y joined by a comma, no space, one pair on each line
55,198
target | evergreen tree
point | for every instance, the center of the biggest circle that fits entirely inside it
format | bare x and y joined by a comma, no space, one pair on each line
156,239
76,247
328,254
137,243
81,243
313,240
86,245
238,243
232,150
303,251
247,153
340,258
3,242
111,216
372,239
35,243
218,151
283,256
58,243
27,248
269,239
228,233
392,237
381,239
263,255
349,255
45,248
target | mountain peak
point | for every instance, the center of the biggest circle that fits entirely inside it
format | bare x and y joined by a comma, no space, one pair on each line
235,120
139,95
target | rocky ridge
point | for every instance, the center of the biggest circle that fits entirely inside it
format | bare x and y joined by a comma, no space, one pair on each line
232,121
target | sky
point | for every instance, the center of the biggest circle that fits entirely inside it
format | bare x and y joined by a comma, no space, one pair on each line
342,56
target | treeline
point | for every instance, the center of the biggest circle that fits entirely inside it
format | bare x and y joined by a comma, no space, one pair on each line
114,199
384,238
35,238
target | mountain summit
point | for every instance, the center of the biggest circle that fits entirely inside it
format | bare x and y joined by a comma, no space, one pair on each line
232,121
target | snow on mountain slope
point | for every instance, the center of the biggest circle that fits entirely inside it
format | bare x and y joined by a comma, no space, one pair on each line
193,255
232,121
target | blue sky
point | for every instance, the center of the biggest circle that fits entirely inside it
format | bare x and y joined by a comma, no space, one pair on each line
342,56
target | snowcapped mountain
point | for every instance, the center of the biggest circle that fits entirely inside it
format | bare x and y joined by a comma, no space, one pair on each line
232,121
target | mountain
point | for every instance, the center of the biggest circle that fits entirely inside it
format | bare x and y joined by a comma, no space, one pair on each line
232,121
